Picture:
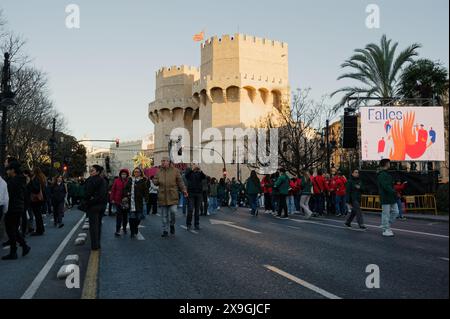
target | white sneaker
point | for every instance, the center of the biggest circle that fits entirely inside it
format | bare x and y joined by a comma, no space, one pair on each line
388,233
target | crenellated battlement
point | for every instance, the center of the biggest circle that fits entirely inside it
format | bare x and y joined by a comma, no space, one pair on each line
177,70
244,38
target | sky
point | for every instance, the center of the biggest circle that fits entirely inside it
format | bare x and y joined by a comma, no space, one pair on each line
102,75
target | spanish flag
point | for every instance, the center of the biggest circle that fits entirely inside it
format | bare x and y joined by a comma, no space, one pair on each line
199,37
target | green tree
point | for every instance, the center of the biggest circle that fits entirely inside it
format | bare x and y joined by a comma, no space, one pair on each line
424,79
377,68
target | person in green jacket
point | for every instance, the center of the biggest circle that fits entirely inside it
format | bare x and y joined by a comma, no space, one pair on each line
353,191
253,189
282,184
387,197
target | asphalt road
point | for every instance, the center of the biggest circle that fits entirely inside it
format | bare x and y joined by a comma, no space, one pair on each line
235,256
35,276
267,257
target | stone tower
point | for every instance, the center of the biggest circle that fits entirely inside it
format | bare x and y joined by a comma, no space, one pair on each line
242,79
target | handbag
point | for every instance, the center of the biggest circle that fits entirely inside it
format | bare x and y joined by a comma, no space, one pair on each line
39,197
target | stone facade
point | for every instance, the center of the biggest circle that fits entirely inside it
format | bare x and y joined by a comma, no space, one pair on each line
242,80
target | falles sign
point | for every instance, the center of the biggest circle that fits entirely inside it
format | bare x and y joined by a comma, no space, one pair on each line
402,133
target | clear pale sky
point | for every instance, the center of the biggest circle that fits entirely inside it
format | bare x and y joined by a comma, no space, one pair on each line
102,76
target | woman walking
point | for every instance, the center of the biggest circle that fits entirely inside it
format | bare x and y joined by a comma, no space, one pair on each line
58,193
152,206
136,191
306,193
37,187
117,199
253,188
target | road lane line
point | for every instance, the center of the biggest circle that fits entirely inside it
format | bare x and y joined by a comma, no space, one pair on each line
327,225
33,288
303,283
443,258
396,229
192,231
139,236
91,279
231,224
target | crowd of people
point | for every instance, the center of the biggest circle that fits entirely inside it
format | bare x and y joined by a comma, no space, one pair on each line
27,196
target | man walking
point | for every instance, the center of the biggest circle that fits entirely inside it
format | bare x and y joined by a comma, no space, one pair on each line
387,198
4,201
354,189
195,178
96,200
16,191
170,182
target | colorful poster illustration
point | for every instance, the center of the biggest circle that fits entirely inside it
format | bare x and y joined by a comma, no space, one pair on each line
403,133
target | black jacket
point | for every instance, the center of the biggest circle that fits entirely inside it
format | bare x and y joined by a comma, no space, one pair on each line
96,191
141,193
17,188
194,181
58,193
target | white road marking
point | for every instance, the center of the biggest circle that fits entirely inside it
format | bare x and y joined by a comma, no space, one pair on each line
6,248
192,231
231,224
303,283
444,258
139,236
395,229
327,225
33,288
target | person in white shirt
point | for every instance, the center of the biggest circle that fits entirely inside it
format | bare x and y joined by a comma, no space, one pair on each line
4,197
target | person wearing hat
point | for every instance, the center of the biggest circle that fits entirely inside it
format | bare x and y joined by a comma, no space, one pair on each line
96,200
169,181
16,191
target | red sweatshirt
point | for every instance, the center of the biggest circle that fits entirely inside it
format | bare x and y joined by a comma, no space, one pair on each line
340,182
319,184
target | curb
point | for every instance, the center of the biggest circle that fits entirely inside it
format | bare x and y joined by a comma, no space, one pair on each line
425,218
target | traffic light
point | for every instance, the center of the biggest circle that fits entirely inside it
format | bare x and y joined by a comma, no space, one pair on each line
117,143
65,168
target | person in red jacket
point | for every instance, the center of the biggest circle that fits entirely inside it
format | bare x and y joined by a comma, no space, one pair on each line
319,189
399,188
331,193
117,198
340,184
266,185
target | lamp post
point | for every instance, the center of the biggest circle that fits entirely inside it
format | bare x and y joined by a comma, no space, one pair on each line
6,99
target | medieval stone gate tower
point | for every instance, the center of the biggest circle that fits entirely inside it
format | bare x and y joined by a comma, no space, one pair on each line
241,80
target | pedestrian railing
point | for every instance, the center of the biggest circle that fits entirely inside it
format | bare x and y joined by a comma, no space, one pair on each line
416,203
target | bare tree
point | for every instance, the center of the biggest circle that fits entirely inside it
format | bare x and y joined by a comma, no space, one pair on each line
300,133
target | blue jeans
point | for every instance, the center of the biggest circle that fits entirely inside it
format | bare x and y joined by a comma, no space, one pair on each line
253,199
340,205
400,207
388,215
234,200
213,204
291,204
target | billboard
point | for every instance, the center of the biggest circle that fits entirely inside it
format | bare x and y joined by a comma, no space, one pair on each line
402,133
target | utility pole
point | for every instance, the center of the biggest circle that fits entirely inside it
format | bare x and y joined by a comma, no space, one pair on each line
327,138
6,99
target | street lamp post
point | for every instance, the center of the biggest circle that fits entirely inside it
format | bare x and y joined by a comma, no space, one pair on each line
52,143
327,138
6,99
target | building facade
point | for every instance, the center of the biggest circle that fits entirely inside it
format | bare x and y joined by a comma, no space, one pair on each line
241,80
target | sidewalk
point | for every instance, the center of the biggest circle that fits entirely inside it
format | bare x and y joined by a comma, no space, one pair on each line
432,218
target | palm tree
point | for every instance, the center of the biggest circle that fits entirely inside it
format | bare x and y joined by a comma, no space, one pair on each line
424,79
377,67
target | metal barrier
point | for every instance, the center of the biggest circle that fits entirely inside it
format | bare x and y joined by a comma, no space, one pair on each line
416,203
